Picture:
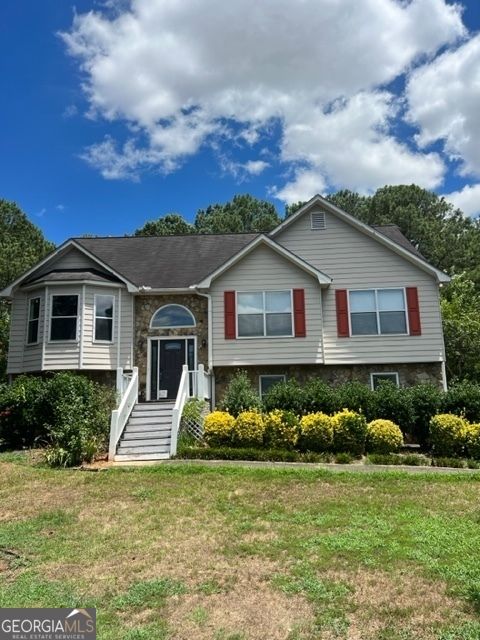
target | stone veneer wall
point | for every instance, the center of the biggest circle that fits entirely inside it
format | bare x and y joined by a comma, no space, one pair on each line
408,374
145,307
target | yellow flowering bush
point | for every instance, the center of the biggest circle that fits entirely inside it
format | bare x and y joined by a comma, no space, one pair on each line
349,432
316,432
281,429
472,440
448,434
383,436
218,428
248,429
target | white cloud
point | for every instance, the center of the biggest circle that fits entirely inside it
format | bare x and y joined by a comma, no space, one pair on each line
467,199
444,101
242,170
180,73
306,184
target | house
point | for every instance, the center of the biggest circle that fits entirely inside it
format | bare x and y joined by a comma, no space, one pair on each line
321,295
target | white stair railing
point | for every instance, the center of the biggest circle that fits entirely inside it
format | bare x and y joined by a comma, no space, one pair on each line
121,414
182,396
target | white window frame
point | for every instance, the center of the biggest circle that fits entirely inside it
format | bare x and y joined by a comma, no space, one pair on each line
264,292
183,326
378,334
383,373
95,339
269,375
78,318
30,300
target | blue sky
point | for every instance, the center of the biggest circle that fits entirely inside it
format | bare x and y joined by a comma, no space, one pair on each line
115,112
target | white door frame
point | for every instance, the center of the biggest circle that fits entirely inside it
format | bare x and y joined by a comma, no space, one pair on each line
149,355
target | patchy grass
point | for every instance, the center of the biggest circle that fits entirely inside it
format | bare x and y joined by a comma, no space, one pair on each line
181,552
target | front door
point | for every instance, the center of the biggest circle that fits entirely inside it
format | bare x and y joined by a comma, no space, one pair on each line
172,359
167,357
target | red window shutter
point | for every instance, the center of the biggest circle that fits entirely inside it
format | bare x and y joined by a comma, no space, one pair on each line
299,313
413,312
341,300
230,320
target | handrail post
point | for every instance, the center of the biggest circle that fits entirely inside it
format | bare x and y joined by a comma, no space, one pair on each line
201,382
120,388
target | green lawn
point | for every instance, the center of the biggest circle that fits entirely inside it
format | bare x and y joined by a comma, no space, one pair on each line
191,552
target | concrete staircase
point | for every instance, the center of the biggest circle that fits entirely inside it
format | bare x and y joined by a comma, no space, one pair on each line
147,433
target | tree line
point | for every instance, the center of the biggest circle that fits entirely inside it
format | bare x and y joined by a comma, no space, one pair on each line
442,233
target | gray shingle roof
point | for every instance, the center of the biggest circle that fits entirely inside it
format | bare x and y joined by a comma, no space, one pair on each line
393,233
71,275
166,262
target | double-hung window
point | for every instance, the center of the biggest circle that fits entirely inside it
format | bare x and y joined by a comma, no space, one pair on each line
377,312
63,318
33,320
104,318
264,313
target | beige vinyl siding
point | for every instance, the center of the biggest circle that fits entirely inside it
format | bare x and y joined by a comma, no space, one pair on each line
355,261
100,355
23,357
71,259
263,269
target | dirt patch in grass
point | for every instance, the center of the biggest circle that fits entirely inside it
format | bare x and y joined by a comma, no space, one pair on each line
401,600
247,606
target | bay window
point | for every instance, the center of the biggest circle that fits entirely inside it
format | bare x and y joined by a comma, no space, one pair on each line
104,318
63,318
33,320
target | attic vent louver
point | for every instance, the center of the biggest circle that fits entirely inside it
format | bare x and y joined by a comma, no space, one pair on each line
317,219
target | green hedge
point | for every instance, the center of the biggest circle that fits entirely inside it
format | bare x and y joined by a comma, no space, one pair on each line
68,413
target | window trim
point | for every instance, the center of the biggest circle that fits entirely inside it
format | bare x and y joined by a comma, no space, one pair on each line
384,373
264,336
29,302
269,375
377,312
183,326
96,340
78,318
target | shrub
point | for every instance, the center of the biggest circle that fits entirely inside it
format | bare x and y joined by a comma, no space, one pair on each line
410,459
349,432
21,419
318,396
316,431
77,414
248,429
218,428
193,410
343,458
281,429
447,434
463,398
383,436
358,397
288,396
472,440
247,453
456,463
240,395
425,402
395,404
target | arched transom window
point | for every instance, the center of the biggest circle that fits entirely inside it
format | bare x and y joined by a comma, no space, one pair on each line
171,316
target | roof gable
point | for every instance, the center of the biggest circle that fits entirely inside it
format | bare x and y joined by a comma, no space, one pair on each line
322,278
385,235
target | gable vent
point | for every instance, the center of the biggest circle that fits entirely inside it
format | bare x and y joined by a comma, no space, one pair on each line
317,219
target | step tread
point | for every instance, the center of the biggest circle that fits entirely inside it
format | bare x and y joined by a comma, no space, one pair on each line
151,448
140,457
144,442
148,429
